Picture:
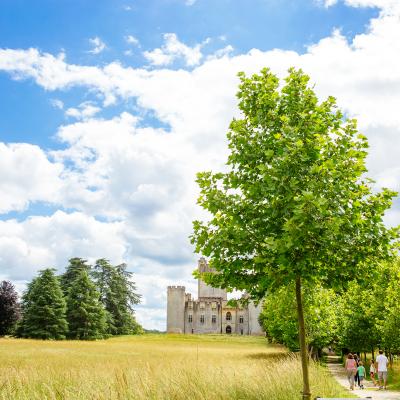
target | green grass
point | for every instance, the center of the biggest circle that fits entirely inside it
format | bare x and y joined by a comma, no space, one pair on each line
159,367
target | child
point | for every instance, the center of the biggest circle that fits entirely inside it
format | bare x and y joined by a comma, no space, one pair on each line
372,371
361,374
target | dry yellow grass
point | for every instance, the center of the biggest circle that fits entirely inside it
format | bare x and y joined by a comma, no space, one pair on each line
155,367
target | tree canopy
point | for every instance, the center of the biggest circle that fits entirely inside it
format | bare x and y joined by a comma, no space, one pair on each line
9,308
44,308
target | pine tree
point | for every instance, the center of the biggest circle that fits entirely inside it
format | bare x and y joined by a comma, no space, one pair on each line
44,308
85,313
75,267
9,308
118,294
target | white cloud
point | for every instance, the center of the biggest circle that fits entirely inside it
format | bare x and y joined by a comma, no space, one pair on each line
173,49
56,103
190,2
84,111
132,40
140,180
26,176
225,51
327,3
98,45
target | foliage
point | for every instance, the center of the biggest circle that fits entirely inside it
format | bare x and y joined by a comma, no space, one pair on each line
9,308
322,313
358,320
118,294
85,314
43,308
294,201
74,269
388,319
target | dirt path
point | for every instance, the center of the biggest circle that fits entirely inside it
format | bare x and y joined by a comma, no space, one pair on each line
370,391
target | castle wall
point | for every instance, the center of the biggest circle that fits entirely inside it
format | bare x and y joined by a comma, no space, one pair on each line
176,309
202,313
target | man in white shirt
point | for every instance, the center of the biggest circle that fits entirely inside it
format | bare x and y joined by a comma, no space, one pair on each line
382,363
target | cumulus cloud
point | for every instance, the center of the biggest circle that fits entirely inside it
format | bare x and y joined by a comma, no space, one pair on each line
98,45
132,185
26,176
173,49
85,110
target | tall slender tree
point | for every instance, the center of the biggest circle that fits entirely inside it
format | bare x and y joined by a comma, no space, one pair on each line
294,205
119,295
86,316
43,308
9,308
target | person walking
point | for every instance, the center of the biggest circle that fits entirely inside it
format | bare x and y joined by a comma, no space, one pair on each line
361,374
372,371
356,376
351,369
382,363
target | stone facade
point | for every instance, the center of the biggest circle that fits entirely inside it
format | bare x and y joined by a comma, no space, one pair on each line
210,313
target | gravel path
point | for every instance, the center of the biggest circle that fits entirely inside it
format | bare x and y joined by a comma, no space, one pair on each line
370,391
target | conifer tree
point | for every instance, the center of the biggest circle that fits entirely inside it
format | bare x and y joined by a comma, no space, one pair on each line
75,267
85,313
118,294
44,308
9,308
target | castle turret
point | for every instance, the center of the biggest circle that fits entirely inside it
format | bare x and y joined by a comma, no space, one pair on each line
206,290
176,309
254,313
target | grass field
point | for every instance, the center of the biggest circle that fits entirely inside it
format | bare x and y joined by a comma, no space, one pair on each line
155,367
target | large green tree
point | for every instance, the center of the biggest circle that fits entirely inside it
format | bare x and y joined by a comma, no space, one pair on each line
43,308
9,308
119,295
86,316
293,205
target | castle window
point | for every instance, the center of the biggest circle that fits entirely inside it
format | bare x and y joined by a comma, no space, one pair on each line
241,319
190,318
190,304
202,319
213,305
202,305
228,316
214,319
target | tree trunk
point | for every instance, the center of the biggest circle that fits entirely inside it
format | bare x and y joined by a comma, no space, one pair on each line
302,340
372,353
365,357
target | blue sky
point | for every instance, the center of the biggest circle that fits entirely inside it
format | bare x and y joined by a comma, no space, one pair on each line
109,108
66,26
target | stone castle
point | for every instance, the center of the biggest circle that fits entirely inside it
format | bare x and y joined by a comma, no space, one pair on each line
210,313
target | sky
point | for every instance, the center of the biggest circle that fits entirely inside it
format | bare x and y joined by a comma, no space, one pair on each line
108,109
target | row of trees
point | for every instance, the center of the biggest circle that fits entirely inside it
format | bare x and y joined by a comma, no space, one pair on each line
85,302
361,318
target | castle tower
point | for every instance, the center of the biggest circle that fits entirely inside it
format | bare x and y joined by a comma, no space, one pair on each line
254,313
176,309
205,290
